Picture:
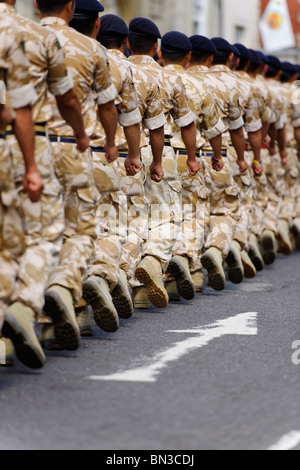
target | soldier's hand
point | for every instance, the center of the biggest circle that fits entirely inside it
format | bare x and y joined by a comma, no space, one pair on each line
6,117
258,169
111,154
33,185
284,157
272,151
83,143
194,167
243,166
157,173
133,165
217,166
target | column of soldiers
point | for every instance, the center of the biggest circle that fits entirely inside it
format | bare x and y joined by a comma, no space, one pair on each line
129,172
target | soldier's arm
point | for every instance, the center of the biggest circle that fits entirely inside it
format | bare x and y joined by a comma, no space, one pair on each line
157,139
189,136
25,135
238,141
108,116
133,162
6,116
70,109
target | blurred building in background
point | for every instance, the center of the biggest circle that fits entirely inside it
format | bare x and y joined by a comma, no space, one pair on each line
235,20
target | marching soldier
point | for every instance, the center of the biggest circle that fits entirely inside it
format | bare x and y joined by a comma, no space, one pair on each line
176,53
88,66
157,252
18,326
114,35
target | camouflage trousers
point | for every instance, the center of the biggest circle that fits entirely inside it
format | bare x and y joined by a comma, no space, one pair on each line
12,243
261,200
75,173
287,211
43,224
165,216
225,209
110,219
246,183
195,213
277,191
137,227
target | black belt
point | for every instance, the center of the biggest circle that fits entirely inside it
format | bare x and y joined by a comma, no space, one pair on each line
101,150
208,153
184,153
39,129
63,140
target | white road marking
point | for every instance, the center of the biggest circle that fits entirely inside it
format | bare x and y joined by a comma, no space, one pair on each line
288,442
243,324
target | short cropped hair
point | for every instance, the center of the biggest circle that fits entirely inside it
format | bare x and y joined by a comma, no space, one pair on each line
52,6
140,44
114,41
84,23
221,58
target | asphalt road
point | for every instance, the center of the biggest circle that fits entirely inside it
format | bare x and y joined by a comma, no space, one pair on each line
237,392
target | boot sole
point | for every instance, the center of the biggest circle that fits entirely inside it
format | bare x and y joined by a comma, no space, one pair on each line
25,351
141,306
185,286
296,235
235,273
122,303
155,294
174,297
105,318
66,333
215,279
248,271
256,260
86,332
269,251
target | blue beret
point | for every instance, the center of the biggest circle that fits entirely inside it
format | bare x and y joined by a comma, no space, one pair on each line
92,6
244,52
274,62
175,42
263,57
144,27
112,24
236,51
222,45
255,58
289,68
202,44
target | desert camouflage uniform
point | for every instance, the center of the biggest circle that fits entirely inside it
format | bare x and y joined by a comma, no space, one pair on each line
165,197
88,66
194,192
292,168
151,112
14,73
112,206
43,221
252,105
224,192
272,164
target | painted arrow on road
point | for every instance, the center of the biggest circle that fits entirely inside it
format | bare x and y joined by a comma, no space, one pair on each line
244,324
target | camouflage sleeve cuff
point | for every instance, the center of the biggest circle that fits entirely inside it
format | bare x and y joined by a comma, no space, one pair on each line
23,96
234,125
218,129
296,123
61,87
155,123
130,119
107,95
253,126
185,120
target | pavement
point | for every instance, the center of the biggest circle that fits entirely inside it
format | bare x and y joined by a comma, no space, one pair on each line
217,373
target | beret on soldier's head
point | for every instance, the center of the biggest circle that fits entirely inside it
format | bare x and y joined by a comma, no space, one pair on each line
274,62
112,24
255,58
244,52
144,27
175,42
289,68
263,57
201,44
92,6
236,51
222,45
